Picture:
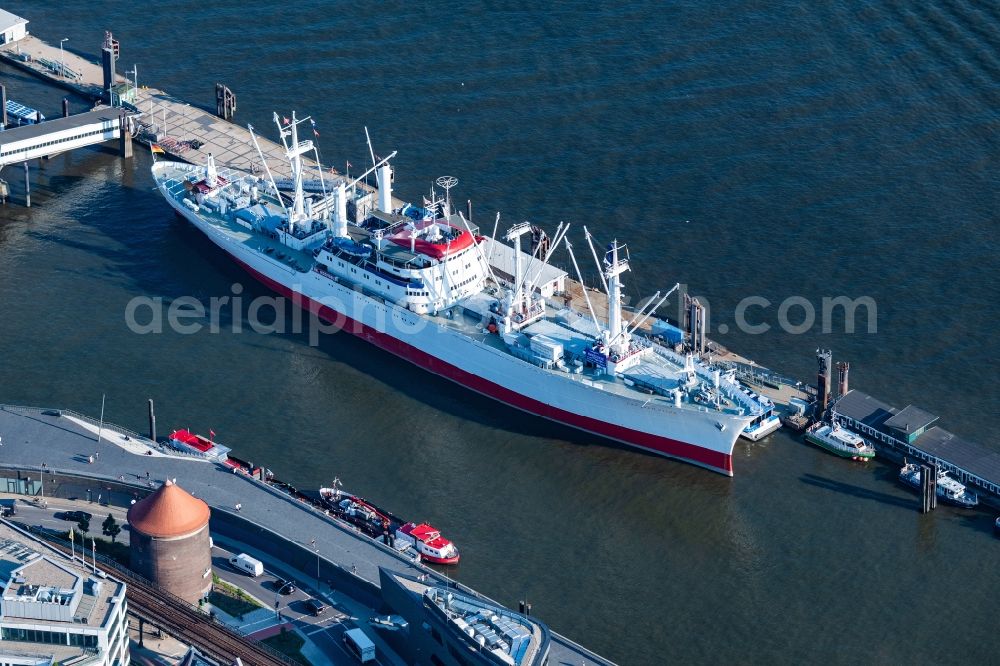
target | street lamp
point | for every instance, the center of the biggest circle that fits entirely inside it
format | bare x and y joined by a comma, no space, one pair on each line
62,66
316,548
135,82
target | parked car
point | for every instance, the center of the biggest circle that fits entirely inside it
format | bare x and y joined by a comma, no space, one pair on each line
74,516
315,606
283,587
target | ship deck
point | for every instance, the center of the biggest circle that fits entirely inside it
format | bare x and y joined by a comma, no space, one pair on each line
657,372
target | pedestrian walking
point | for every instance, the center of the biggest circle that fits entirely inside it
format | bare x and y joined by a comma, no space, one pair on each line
238,506
147,476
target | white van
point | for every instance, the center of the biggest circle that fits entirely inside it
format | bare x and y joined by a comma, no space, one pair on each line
248,565
359,645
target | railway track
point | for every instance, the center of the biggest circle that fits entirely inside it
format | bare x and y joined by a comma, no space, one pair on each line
180,619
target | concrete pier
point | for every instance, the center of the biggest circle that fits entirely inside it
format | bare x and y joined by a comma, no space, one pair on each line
171,122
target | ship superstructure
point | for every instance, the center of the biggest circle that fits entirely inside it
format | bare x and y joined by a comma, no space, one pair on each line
421,282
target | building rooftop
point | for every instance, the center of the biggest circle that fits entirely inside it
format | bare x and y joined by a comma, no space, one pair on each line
8,20
43,588
937,442
169,512
910,419
864,408
972,457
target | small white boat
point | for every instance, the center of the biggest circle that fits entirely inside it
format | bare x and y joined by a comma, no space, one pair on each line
839,441
949,490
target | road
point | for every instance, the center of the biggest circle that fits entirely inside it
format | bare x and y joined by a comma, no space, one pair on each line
325,631
46,514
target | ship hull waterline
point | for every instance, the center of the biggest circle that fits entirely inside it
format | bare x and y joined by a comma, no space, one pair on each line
710,459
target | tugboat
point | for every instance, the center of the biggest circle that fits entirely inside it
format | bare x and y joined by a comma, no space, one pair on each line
839,441
949,490
429,543
378,523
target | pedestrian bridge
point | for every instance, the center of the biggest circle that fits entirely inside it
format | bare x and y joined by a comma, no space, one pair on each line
57,136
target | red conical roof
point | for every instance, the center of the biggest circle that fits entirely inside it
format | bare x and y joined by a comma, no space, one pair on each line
168,512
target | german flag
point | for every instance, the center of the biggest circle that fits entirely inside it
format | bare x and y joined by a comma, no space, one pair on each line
155,148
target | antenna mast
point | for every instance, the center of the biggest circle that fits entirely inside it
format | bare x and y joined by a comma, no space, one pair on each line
447,182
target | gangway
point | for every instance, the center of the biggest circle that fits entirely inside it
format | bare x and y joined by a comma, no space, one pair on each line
61,134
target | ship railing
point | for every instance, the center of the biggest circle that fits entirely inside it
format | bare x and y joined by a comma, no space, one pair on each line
728,388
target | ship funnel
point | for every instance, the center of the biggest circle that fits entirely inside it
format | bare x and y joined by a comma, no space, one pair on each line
385,188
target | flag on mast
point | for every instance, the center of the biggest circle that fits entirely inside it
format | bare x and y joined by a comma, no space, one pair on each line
315,132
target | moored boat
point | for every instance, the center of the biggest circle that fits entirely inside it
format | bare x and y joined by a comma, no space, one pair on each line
394,531
24,115
949,490
764,423
428,542
839,441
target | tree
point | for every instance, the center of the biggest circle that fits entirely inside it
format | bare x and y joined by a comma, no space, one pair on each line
111,528
83,525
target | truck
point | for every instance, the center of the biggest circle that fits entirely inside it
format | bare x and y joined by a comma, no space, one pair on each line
248,565
8,507
359,645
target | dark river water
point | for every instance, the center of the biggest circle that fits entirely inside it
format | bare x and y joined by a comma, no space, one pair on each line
771,149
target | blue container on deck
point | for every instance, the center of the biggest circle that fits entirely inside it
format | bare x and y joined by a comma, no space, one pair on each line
670,333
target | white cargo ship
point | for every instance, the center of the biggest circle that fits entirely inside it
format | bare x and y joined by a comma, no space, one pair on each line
421,282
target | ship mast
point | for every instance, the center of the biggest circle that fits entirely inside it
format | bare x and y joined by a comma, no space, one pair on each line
517,301
294,151
617,337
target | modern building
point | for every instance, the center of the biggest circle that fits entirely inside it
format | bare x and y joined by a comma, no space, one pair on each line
169,541
12,28
448,627
55,610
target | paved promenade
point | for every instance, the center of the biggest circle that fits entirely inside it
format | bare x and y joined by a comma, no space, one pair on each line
65,444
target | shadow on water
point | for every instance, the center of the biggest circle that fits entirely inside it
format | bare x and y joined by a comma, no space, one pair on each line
856,491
